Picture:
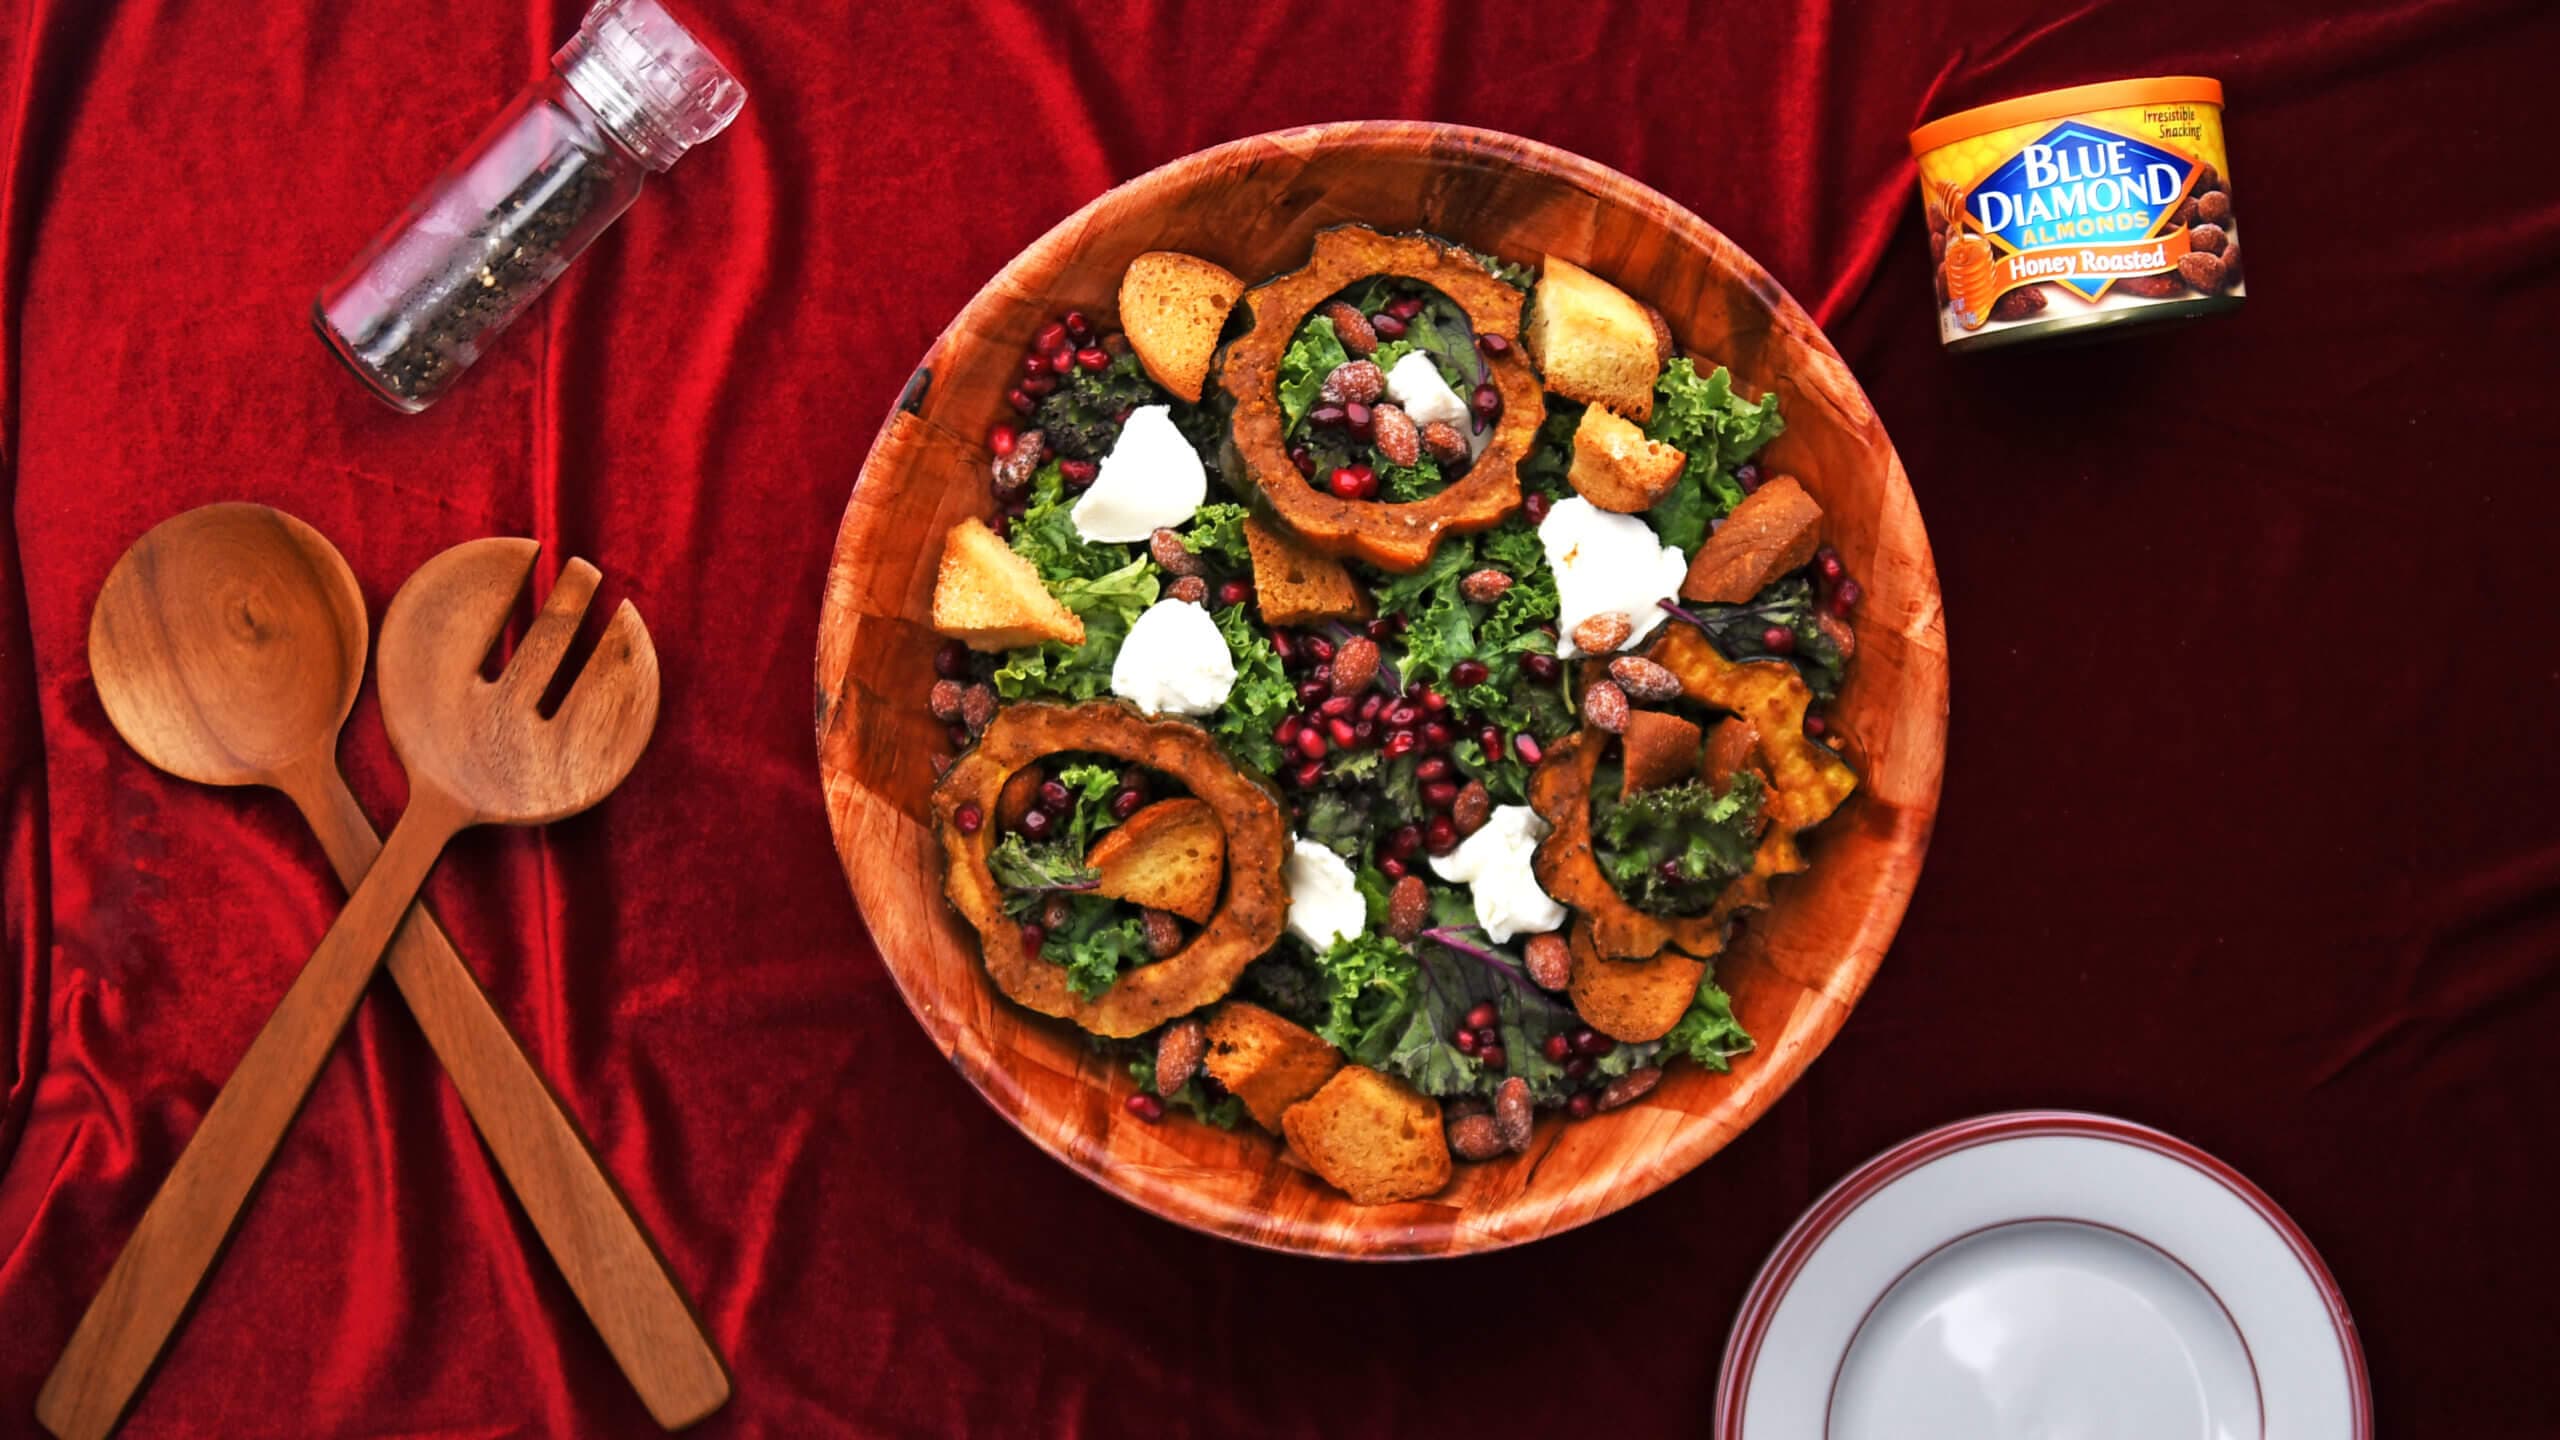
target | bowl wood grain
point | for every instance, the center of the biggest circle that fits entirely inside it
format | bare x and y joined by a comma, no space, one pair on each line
1253,206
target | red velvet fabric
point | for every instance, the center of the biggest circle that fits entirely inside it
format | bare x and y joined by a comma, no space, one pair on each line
2249,820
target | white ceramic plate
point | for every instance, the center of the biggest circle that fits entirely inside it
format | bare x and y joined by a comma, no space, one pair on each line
2044,1275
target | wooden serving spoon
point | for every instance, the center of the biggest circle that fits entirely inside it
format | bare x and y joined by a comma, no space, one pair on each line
228,645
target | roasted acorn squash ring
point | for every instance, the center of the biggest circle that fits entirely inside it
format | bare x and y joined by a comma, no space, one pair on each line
1391,536
1248,918
1807,783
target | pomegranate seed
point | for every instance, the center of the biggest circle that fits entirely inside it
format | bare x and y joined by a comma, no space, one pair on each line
1312,691
1079,325
1094,358
1322,674
1286,732
1126,803
1320,649
1592,1043
1285,644
1035,823
1406,308
1814,725
1345,734
1061,360
1440,836
952,660
1308,771
1311,743
1578,1068
1526,746
1489,740
1382,630
1040,384
1145,1106
1580,1106
1305,460
1535,507
969,817
1494,1059
1234,592
1541,668
1404,841
1051,336
1388,326
1487,401
1078,473
1033,935
1483,1015
1053,796
1846,598
1438,735
1402,715
1433,700
1365,731
1370,705
1556,1047
1466,1042
957,734
1020,402
1826,563
1337,706
1400,743
1748,477
1670,869
1493,345
1035,367
1393,868
1360,420
1440,794
1325,416
1000,439
1435,768
1469,673
1778,640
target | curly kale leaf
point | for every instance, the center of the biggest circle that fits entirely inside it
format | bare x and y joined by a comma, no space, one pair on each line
1216,530
1550,456
1312,355
1108,604
1717,430
1367,985
1030,873
1709,1033
1100,939
1262,694
1443,627
1671,850
1082,417
1090,786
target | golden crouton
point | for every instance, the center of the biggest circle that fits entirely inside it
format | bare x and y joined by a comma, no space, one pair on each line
1169,856
1294,584
989,598
1377,1139
1771,532
1592,342
1729,748
1616,468
1660,749
1265,1061
1173,306
1631,1001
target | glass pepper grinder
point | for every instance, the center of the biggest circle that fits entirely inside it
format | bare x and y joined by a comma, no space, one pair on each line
628,95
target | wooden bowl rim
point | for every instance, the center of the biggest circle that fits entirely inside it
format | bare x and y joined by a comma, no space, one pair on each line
1696,1140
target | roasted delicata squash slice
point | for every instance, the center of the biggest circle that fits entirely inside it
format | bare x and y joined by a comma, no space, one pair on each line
1265,1060
1390,536
1169,856
1172,307
1806,784
989,598
1246,923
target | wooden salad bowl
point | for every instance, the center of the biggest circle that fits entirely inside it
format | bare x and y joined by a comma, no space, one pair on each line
1253,206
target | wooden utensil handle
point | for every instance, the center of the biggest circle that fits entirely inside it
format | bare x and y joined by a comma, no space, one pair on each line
617,1275
184,1228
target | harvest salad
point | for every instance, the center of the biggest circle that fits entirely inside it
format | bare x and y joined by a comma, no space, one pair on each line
1379,695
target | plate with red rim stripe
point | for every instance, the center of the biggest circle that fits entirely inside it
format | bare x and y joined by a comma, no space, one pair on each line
2044,1273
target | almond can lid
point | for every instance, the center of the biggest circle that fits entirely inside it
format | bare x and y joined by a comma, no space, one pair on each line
2054,104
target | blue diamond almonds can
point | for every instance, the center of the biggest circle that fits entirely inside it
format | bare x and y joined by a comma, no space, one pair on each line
2079,212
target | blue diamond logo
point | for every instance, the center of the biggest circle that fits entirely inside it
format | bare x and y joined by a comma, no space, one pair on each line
2079,184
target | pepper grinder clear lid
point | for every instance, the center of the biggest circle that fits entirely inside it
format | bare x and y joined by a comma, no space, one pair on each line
658,89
